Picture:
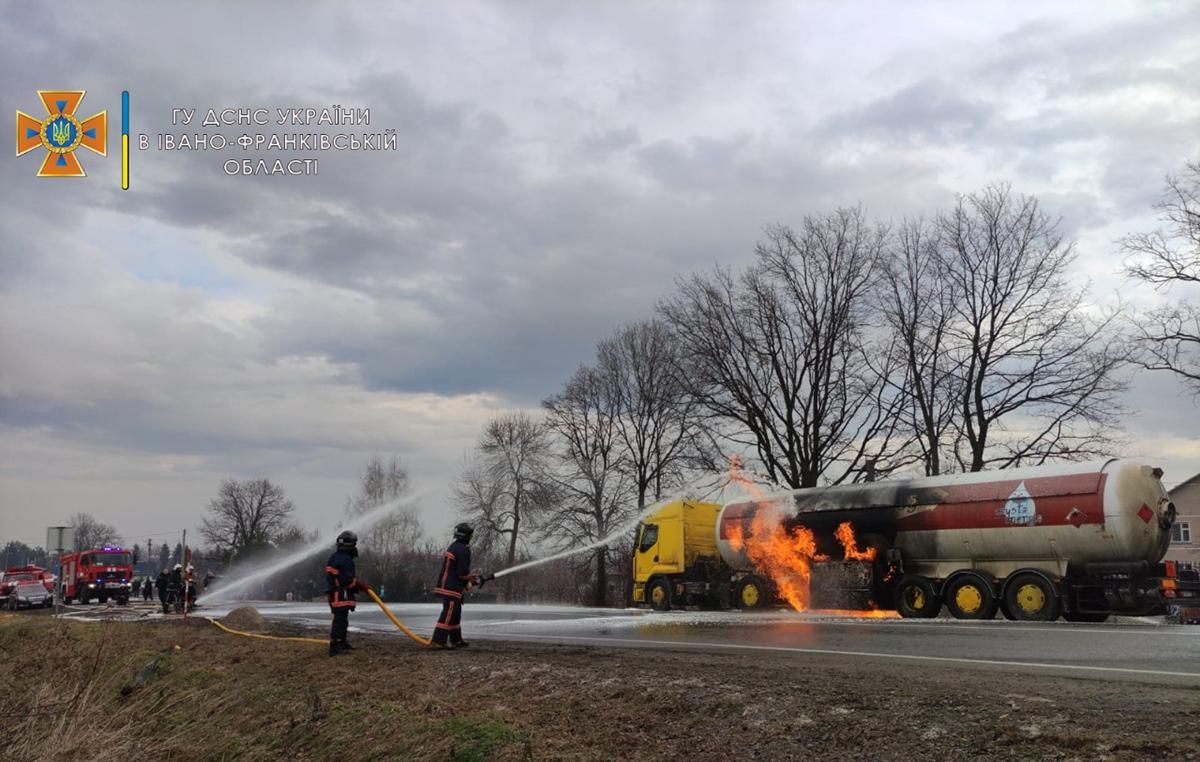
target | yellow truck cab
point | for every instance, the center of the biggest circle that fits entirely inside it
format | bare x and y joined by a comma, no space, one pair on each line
676,560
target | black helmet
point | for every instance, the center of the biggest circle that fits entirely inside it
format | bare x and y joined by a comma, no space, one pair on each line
463,532
347,542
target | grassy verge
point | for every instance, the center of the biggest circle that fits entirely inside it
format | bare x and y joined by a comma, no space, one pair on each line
121,691
143,691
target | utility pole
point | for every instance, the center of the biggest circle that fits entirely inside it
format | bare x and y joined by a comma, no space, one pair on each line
59,538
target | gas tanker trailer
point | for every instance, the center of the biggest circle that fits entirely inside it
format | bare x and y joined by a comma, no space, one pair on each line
1082,541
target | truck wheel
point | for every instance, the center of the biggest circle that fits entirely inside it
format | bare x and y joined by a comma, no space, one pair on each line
970,596
751,594
916,598
658,595
1030,597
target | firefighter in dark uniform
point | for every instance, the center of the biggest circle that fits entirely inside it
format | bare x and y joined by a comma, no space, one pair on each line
162,583
343,584
454,579
175,589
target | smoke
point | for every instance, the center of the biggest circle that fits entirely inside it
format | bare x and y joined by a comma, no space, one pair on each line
358,523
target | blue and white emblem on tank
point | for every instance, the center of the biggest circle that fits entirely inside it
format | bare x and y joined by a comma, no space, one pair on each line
1020,508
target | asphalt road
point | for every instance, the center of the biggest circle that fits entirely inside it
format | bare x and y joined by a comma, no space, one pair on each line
1142,650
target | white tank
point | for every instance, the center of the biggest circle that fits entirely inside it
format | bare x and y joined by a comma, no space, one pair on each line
1108,511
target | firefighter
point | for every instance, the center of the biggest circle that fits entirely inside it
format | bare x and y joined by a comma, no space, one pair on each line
192,590
343,584
162,583
175,588
454,579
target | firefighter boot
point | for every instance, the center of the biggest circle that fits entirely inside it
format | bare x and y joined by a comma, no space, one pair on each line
336,649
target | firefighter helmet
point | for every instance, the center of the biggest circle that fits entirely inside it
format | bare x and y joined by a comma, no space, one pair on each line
347,542
463,532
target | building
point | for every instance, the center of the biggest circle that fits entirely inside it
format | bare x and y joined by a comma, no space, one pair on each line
1185,534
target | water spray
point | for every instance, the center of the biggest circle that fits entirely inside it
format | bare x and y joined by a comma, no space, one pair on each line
598,543
355,524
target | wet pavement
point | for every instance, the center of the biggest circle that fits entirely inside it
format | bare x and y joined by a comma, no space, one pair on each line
1138,649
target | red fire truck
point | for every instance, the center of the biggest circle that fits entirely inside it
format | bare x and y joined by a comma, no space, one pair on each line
97,574
26,573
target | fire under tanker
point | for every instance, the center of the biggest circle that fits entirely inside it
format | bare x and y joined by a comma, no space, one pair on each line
1083,541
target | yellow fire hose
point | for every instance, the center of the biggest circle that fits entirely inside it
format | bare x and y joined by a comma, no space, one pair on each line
324,641
395,621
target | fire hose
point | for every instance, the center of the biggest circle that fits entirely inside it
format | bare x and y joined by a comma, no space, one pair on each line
399,625
395,621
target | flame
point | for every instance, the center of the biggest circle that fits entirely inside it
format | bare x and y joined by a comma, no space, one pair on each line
737,475
858,613
845,535
786,558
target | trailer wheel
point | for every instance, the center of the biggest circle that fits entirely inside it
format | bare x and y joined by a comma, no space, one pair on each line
658,594
916,598
970,596
752,594
1030,597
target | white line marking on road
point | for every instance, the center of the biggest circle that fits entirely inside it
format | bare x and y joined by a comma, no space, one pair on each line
835,652
997,626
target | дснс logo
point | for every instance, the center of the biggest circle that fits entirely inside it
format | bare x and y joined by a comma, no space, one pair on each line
60,133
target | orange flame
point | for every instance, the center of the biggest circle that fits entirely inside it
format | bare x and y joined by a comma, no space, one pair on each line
787,557
845,535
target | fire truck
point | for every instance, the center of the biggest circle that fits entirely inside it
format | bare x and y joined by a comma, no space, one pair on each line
28,572
97,574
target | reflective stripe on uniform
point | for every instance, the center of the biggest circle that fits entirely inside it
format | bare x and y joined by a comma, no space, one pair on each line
449,615
449,557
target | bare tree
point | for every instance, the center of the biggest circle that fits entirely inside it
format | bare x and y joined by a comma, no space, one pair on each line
655,417
1039,377
917,305
247,516
504,485
596,493
90,533
1168,259
783,352
390,544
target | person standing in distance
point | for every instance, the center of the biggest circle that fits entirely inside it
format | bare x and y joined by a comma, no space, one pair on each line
454,579
343,584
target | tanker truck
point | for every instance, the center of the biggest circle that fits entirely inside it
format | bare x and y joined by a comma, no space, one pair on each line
1082,541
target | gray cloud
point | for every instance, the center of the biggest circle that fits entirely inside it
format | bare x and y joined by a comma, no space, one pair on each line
558,167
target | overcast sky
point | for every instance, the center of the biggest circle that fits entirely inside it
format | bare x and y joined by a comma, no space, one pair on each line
558,166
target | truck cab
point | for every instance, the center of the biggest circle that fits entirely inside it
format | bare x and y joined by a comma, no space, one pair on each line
676,560
97,574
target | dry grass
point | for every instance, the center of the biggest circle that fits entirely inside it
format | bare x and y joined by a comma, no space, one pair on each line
71,691
86,691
